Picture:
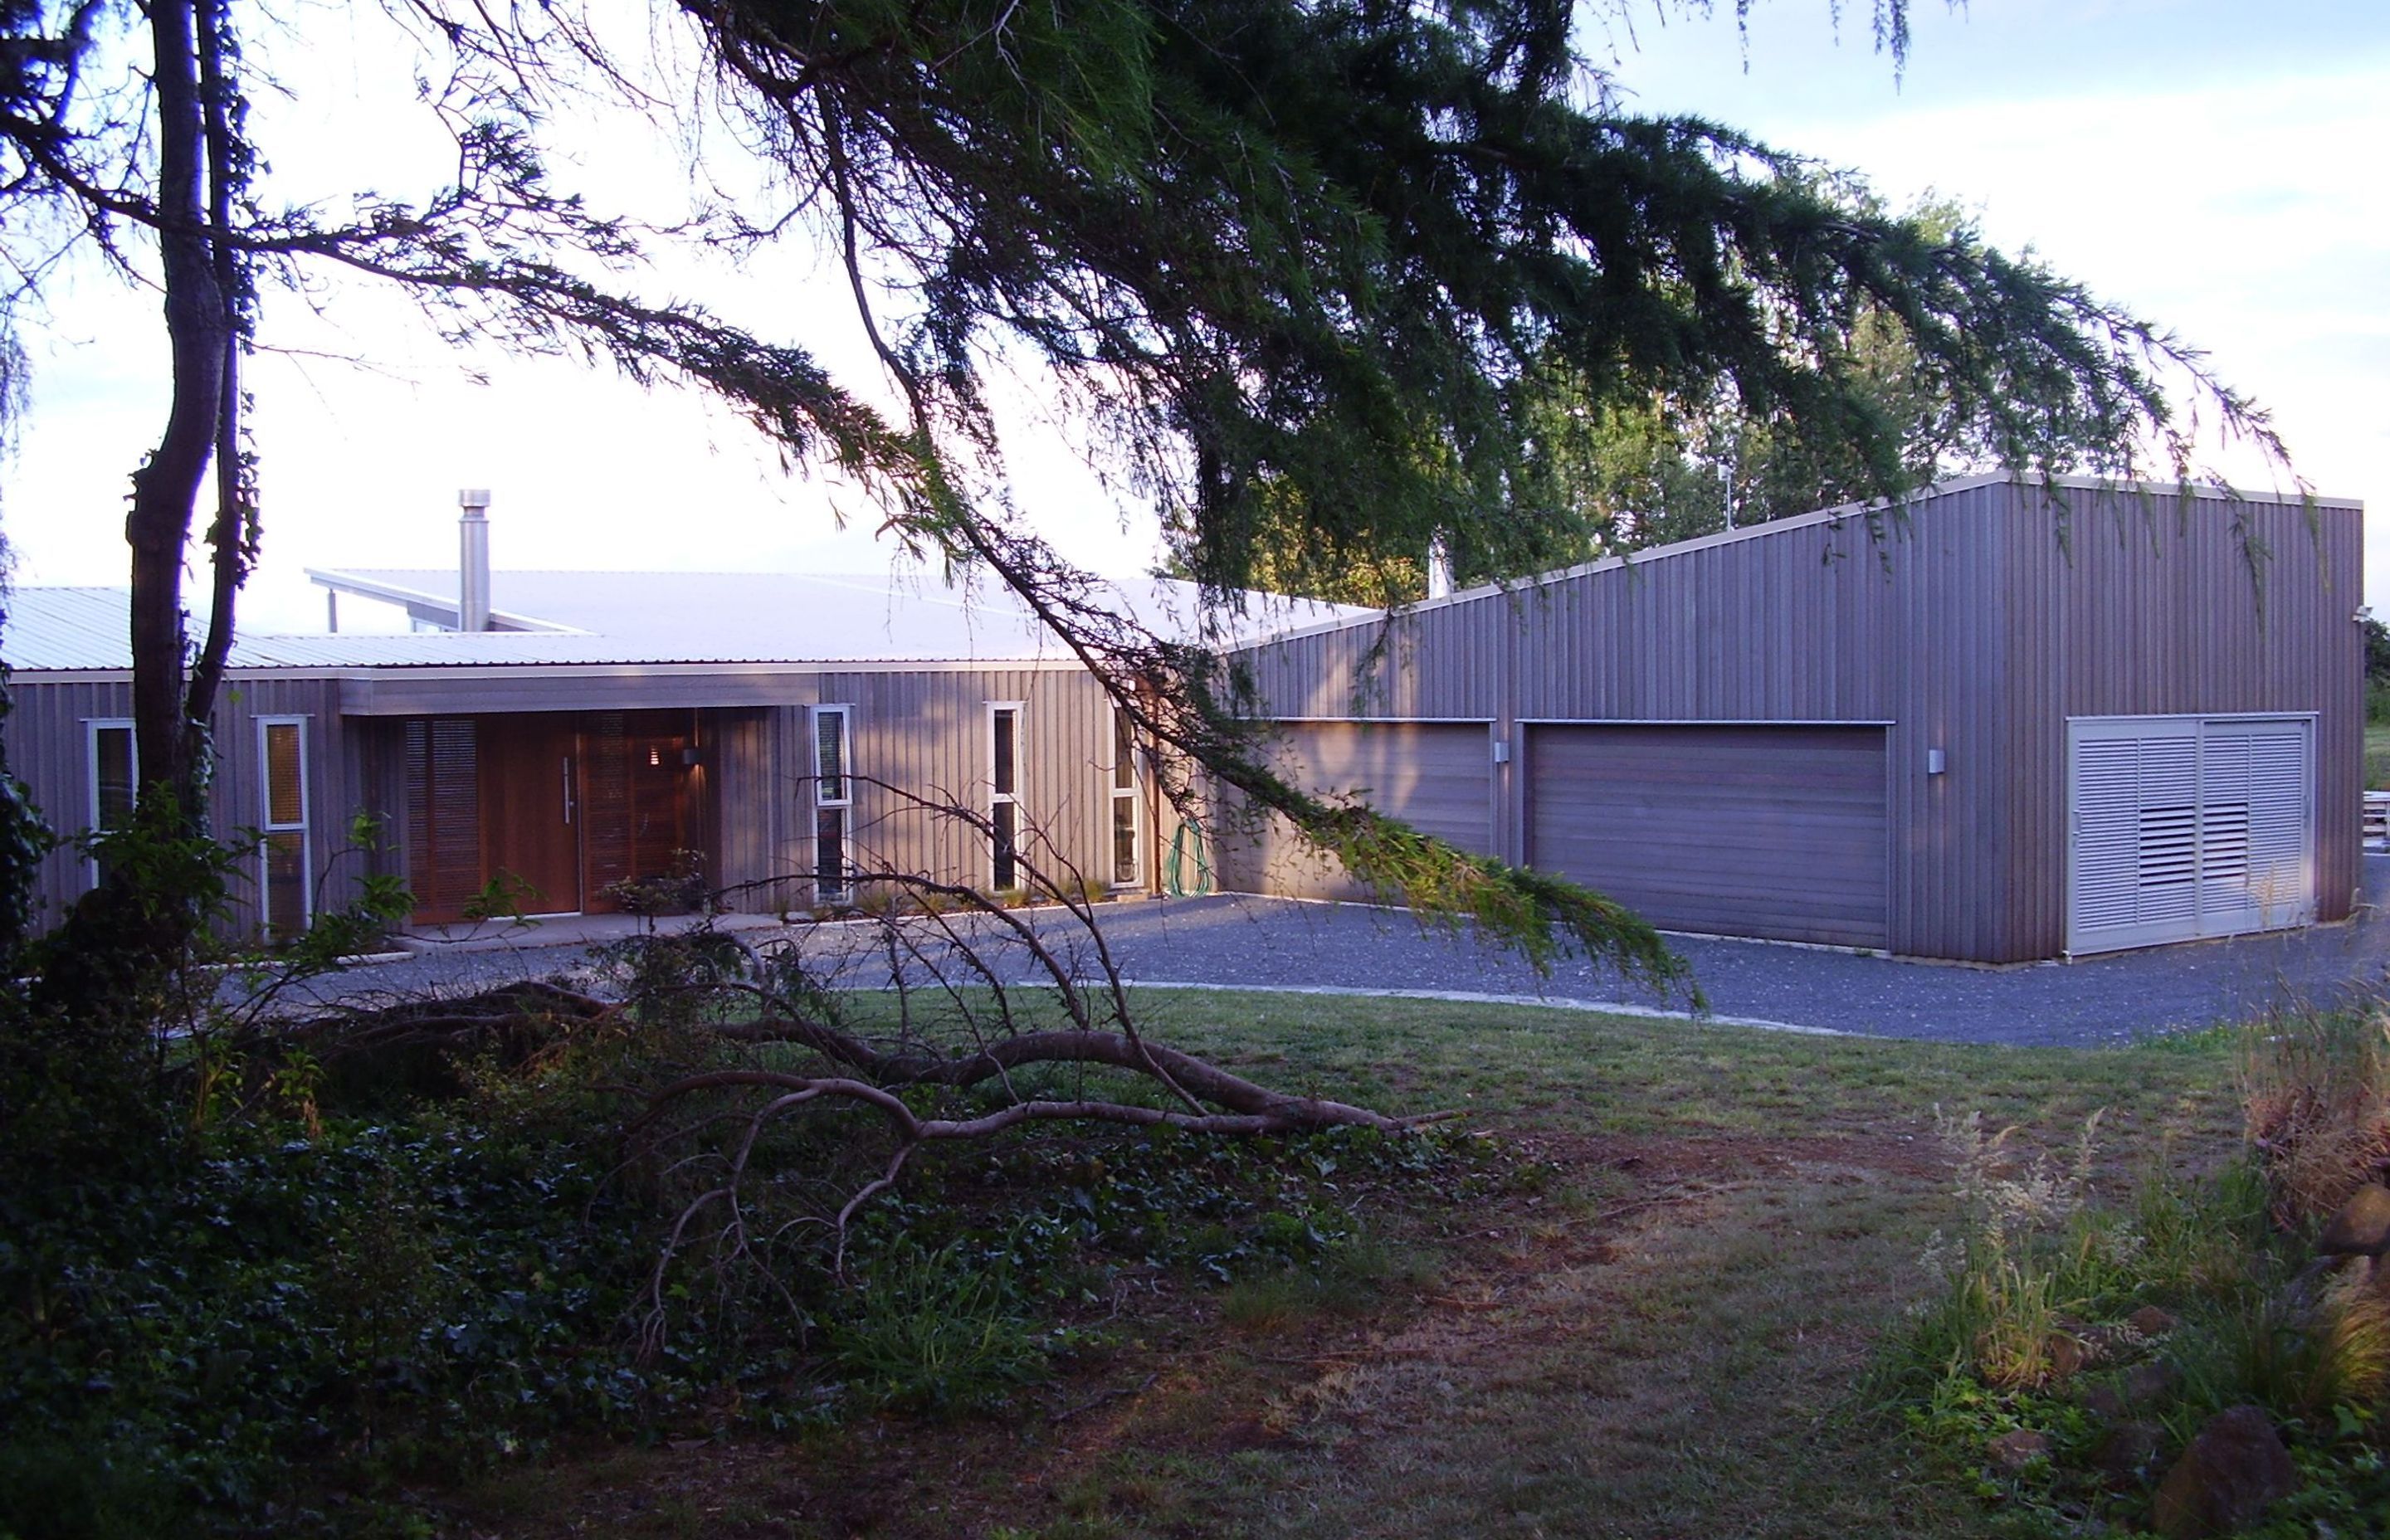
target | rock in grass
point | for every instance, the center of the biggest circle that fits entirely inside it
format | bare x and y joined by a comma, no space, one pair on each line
2105,1403
2152,1381
2068,1354
2150,1321
2362,1225
2128,1456
2011,1451
2232,1472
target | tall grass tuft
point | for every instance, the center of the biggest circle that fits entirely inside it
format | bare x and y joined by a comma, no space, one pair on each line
2353,1346
2316,1098
2024,1262
932,1333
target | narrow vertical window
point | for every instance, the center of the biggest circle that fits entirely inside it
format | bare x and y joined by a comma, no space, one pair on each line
1128,857
833,801
1004,798
282,857
115,781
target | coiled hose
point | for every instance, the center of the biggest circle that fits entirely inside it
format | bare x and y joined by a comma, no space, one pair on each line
1190,839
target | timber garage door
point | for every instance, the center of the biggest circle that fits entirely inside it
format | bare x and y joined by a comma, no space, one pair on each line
1435,776
1737,831
2181,826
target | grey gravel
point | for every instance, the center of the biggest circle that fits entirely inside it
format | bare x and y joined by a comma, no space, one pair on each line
1230,940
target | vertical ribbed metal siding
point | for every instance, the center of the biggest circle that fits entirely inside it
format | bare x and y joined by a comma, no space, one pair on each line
1967,628
924,731
1811,625
928,732
2152,611
47,751
1433,776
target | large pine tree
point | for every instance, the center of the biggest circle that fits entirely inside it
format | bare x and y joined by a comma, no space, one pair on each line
1335,281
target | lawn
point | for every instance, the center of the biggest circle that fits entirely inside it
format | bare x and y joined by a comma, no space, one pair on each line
2377,756
1657,1317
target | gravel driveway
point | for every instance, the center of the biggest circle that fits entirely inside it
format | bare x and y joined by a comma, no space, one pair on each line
1233,941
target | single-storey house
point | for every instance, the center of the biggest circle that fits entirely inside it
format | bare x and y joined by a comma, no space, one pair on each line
2020,721
556,733
2030,720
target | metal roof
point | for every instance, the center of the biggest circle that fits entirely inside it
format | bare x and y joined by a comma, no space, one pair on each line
67,628
634,618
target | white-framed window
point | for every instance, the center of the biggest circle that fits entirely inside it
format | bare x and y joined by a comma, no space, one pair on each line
1128,849
286,897
114,761
1003,793
833,800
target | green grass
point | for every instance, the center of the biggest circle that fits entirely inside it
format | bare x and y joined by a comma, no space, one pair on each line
2377,756
1664,1323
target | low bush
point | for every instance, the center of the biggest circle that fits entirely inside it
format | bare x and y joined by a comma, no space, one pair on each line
325,1301
2075,1346
2316,1093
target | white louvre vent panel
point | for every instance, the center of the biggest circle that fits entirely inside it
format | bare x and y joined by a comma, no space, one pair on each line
2256,871
2167,856
2188,827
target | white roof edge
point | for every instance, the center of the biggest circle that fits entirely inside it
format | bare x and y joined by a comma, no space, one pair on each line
438,671
391,592
1836,514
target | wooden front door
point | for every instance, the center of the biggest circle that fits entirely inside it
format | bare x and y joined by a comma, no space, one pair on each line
531,832
638,795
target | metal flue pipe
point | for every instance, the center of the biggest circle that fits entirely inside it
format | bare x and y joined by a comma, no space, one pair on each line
473,563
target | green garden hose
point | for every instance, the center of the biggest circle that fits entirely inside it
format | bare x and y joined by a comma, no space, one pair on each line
1173,870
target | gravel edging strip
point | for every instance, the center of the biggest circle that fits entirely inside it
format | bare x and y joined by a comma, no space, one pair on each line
1472,997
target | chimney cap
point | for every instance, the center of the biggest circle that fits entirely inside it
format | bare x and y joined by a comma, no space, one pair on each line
474,499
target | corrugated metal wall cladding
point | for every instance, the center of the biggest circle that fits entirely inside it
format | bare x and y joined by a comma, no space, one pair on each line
927,734
2154,608
48,749
1976,625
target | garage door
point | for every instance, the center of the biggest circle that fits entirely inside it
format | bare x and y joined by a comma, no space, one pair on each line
2184,827
1433,775
1776,831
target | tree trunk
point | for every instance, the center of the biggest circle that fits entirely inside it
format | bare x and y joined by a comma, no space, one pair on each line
166,489
107,966
232,539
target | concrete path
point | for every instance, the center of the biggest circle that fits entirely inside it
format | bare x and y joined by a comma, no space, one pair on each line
1231,940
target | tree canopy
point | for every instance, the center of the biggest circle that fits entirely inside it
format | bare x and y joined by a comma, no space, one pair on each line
1333,282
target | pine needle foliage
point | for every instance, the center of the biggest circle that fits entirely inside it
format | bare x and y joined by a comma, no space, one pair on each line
1315,275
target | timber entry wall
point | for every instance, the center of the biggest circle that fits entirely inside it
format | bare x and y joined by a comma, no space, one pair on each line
1693,728
553,806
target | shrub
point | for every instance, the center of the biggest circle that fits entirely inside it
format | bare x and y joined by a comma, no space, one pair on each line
2316,1099
2035,1299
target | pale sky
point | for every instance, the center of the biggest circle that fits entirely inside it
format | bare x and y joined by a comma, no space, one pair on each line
2213,165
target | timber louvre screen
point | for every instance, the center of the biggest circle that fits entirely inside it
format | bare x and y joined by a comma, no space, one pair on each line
2185,827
